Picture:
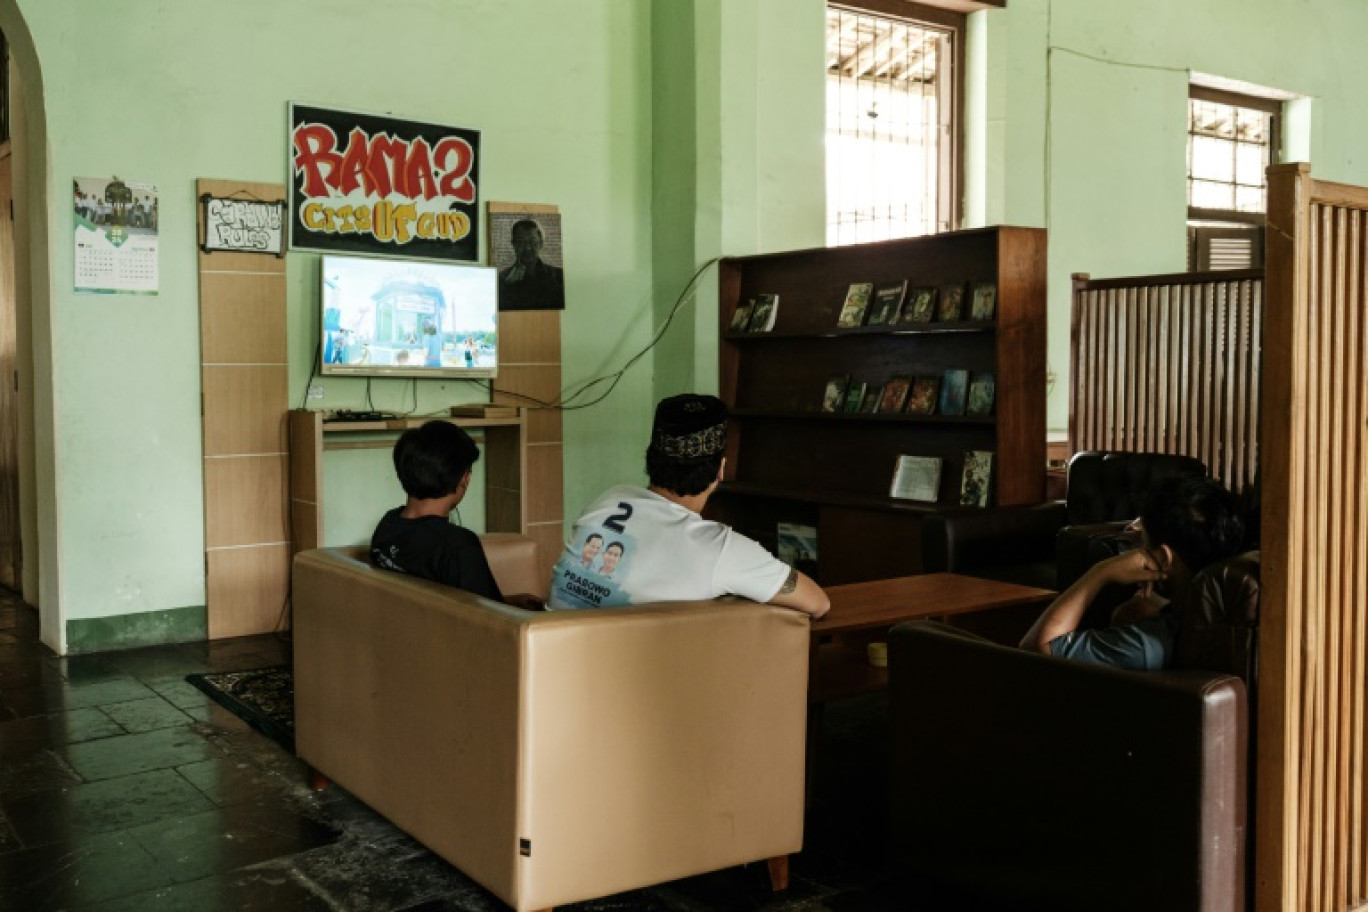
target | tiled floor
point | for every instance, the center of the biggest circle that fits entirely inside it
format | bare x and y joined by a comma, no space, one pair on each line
124,789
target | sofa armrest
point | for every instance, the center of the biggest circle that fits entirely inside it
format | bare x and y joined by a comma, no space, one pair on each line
515,561
960,540
1064,784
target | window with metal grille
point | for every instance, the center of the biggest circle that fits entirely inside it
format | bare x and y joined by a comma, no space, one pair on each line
1232,139
892,113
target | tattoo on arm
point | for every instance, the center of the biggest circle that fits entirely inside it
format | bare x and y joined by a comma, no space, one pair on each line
790,584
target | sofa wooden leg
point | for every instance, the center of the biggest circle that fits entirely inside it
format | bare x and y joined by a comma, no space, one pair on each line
317,781
778,872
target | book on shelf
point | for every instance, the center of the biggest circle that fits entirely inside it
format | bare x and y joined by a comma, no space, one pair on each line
741,316
764,314
886,302
981,394
854,397
872,395
796,545
894,395
916,478
921,399
483,410
977,479
921,306
951,307
954,391
984,303
834,396
856,303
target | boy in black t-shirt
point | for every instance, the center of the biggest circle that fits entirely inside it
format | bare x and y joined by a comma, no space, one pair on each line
433,463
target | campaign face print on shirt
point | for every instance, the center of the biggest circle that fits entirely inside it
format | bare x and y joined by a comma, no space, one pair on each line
592,574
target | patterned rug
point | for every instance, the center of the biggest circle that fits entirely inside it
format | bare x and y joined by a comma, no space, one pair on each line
263,698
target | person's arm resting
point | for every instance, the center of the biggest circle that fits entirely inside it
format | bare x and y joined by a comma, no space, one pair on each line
798,591
1133,567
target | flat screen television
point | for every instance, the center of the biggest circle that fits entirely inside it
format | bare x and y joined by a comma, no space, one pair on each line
403,318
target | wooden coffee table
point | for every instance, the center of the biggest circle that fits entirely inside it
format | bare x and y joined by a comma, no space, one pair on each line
839,664
862,612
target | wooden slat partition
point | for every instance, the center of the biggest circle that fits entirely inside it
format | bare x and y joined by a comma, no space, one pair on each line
1169,364
1312,850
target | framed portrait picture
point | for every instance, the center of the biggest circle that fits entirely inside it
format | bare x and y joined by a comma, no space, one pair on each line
525,248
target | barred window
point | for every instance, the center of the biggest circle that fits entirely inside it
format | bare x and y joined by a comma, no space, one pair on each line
1232,139
892,122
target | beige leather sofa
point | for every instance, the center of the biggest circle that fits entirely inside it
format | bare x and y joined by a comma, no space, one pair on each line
553,756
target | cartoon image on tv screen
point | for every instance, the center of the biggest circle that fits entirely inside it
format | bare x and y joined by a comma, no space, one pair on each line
415,318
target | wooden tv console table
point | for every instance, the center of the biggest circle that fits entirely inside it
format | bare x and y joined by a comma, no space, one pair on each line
505,446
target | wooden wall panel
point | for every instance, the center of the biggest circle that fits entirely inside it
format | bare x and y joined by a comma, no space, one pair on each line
530,376
240,318
240,408
1169,364
252,491
244,389
1312,851
545,477
247,590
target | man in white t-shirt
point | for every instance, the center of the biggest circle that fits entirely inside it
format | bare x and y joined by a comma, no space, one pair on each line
656,547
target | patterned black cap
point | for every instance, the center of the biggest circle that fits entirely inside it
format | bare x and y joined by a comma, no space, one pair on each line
690,426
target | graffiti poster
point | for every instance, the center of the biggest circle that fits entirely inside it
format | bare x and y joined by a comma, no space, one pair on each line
243,225
116,236
367,184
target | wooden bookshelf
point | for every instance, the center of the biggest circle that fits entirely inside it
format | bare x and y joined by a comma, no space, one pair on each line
788,461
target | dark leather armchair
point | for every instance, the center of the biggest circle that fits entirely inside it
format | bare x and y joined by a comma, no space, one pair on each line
1042,783
1048,545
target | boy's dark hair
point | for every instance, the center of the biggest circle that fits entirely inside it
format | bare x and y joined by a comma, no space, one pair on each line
682,476
1196,517
432,459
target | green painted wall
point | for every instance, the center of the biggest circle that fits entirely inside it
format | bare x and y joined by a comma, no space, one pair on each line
561,93
1083,110
668,133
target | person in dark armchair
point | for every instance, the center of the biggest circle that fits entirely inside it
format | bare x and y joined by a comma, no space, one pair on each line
1188,524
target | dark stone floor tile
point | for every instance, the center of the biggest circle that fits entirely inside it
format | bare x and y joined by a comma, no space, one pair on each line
360,875
145,715
87,871
153,662
38,772
109,758
236,779
31,672
262,750
259,889
25,649
92,669
9,840
743,888
217,720
177,691
37,701
24,736
224,839
44,818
